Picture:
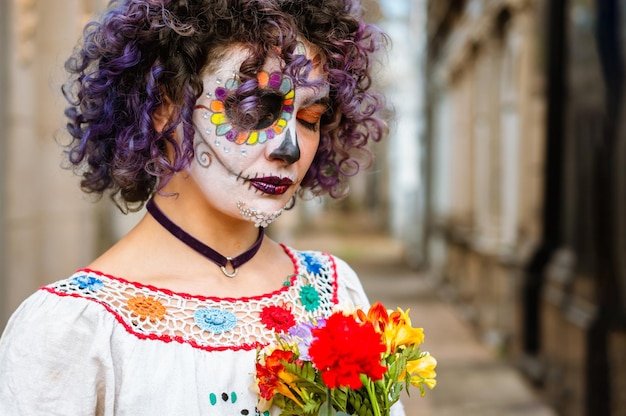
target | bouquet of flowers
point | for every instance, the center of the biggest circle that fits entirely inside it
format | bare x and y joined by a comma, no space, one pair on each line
350,363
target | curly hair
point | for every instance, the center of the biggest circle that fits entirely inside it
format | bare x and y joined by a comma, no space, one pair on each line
141,53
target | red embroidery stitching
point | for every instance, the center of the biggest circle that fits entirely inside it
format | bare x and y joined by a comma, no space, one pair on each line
116,294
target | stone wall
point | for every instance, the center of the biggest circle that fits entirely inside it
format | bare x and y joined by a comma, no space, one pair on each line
486,149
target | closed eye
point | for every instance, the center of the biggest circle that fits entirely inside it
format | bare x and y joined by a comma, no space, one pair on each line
310,117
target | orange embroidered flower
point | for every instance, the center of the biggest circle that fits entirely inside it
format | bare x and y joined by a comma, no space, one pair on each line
146,307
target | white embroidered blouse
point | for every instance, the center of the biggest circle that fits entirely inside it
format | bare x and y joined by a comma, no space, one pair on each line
94,344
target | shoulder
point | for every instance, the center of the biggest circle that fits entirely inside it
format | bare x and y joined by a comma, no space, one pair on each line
54,306
57,315
49,351
58,321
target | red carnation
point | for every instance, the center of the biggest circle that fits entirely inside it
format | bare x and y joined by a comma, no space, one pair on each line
344,349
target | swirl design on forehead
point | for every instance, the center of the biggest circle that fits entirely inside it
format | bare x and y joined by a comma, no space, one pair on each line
275,96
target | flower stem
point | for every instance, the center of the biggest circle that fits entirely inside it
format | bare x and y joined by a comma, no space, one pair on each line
369,385
329,399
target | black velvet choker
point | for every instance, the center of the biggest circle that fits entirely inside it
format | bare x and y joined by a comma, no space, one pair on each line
202,248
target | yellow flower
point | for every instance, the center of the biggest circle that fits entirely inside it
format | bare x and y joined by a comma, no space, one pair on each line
430,383
424,366
400,317
403,335
422,371
287,386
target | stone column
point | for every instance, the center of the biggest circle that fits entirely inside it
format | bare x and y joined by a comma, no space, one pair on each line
4,35
48,225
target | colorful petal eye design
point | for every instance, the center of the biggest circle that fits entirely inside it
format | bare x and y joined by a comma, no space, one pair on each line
275,97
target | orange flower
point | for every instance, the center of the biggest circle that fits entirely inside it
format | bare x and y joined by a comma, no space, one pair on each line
395,326
271,377
146,307
378,316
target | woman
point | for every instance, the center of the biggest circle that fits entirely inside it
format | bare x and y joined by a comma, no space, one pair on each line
217,113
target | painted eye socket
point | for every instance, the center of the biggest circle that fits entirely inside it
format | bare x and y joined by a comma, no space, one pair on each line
253,116
265,109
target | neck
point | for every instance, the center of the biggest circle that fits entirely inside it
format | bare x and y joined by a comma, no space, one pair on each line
208,252
227,235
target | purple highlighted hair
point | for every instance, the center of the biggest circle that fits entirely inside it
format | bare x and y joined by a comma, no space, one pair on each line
141,53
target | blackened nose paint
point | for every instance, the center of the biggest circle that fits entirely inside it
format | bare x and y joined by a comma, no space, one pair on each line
288,149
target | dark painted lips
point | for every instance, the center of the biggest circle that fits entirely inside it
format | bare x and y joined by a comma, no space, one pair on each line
272,185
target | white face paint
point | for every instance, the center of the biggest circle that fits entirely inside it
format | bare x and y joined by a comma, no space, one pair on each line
254,172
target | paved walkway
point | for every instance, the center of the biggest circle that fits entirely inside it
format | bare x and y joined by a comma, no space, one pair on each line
471,381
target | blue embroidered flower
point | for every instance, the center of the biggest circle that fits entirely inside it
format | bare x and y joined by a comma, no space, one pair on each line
88,283
312,263
215,320
309,298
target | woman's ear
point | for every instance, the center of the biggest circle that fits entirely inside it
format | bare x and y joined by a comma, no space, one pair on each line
162,114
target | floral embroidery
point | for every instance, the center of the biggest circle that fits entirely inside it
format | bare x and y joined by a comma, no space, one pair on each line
146,307
161,315
88,283
277,318
215,320
310,298
312,263
224,126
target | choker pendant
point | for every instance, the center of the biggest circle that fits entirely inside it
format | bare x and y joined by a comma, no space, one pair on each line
226,272
202,248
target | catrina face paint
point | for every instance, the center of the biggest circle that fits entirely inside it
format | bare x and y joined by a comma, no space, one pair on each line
256,138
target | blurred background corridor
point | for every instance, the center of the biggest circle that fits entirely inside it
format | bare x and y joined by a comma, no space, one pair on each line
495,210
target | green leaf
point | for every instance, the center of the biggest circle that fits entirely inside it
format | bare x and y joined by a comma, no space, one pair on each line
310,408
324,411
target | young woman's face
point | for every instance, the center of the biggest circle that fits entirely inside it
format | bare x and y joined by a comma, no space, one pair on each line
247,168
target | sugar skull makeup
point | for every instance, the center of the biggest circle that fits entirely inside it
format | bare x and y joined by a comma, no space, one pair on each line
255,139
275,107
